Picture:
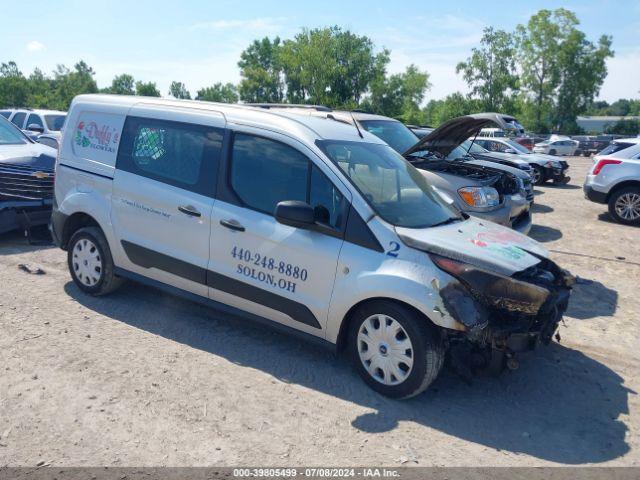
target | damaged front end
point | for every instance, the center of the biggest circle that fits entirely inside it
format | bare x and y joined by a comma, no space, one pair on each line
503,315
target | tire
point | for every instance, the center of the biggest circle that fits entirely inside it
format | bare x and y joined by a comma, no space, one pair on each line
552,151
577,153
538,175
629,197
90,262
425,350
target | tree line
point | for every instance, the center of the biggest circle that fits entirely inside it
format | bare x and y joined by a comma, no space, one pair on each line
545,72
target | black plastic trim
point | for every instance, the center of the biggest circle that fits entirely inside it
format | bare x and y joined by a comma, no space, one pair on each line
359,233
224,308
147,258
85,171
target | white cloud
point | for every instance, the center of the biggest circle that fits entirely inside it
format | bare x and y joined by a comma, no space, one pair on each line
622,78
35,46
251,24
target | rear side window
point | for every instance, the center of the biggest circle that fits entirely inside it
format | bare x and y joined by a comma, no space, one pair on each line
18,119
5,113
35,120
614,147
265,172
180,154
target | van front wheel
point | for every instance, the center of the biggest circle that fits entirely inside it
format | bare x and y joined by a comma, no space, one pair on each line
396,351
90,262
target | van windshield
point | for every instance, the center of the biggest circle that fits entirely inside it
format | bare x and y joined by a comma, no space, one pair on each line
394,188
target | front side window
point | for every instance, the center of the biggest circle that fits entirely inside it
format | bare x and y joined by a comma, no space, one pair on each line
18,119
34,120
5,113
9,135
266,172
393,187
180,154
516,146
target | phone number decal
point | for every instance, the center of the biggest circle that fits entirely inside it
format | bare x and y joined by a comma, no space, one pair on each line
274,272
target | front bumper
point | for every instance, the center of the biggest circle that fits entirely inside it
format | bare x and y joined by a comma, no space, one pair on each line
515,213
15,215
558,174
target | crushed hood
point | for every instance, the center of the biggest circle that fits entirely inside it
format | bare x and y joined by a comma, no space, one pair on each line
449,135
481,243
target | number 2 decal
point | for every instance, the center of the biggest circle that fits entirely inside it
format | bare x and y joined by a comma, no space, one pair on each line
393,251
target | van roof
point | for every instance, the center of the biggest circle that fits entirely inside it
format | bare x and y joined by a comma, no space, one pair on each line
286,122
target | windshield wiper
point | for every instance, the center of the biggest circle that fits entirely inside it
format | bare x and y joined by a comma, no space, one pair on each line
447,221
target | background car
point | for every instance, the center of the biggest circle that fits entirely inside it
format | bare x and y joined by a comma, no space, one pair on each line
36,122
526,142
26,180
558,147
544,167
614,180
618,145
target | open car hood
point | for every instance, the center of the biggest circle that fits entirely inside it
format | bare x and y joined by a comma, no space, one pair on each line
449,135
480,243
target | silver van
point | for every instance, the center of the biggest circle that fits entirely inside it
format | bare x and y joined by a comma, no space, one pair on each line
305,224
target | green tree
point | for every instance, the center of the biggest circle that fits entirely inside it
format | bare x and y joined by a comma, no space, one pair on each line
14,88
147,89
330,66
399,95
437,112
490,70
561,70
122,85
41,90
179,90
624,127
261,72
219,92
69,83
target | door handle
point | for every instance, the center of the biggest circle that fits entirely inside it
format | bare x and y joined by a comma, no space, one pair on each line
189,210
232,224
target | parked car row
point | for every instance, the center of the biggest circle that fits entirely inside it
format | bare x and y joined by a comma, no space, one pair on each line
44,126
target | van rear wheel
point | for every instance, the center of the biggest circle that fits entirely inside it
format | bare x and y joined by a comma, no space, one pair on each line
396,351
90,262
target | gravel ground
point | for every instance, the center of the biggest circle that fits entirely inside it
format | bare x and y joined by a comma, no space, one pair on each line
141,378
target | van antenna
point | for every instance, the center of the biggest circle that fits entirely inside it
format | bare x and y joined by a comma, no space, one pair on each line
355,124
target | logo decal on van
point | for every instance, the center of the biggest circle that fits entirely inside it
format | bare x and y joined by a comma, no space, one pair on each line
99,137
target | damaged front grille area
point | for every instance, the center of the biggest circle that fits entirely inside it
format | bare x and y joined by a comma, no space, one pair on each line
506,315
25,183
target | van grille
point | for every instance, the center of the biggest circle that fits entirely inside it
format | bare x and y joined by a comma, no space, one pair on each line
20,182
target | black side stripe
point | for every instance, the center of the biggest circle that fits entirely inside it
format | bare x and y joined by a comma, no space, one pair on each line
85,171
148,258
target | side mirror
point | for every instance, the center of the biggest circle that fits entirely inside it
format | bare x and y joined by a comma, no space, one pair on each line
34,127
295,214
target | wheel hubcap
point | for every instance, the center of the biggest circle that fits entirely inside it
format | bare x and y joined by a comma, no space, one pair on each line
628,206
385,349
87,263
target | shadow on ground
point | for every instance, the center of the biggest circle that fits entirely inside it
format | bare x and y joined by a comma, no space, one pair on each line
540,208
563,186
582,306
560,406
543,234
16,241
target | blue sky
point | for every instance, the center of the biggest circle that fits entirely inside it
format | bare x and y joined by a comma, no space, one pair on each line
199,42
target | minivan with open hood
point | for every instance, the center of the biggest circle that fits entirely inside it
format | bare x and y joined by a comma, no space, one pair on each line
306,224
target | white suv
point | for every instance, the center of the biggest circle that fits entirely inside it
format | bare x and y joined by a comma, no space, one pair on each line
306,224
35,122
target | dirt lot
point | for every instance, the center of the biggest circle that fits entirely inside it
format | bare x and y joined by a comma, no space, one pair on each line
142,378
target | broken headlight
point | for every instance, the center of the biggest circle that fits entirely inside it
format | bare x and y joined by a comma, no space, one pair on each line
480,197
495,290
